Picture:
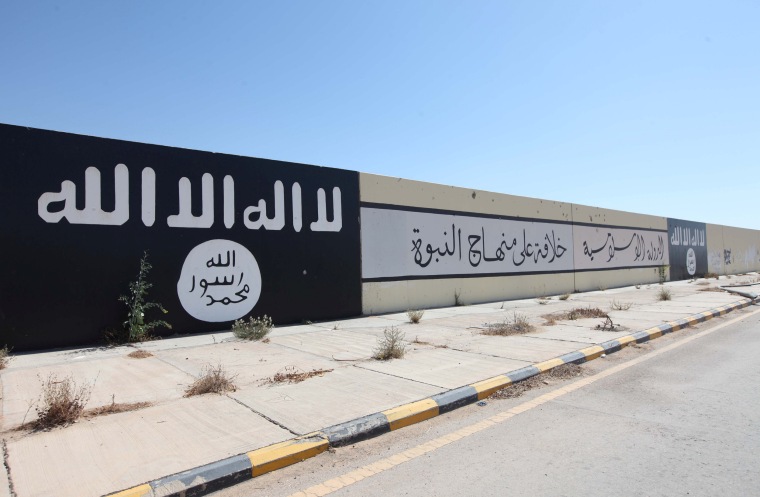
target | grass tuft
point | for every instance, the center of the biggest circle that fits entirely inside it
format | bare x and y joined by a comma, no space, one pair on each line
414,315
212,380
518,325
564,296
253,329
664,294
390,345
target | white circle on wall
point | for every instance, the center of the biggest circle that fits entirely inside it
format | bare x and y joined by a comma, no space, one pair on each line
691,262
220,281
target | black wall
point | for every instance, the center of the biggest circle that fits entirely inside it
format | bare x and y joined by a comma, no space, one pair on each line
687,244
61,280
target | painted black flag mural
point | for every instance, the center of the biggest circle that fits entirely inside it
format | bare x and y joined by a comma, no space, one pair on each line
227,236
687,243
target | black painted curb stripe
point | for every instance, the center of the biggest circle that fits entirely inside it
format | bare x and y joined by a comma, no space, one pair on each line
230,471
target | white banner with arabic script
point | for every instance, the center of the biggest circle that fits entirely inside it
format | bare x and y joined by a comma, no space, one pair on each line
398,244
600,247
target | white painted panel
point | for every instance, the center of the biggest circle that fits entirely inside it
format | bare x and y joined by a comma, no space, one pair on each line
399,243
600,247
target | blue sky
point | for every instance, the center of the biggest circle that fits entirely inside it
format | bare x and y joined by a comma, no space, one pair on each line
644,106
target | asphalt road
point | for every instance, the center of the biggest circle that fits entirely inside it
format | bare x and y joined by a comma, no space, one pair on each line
678,416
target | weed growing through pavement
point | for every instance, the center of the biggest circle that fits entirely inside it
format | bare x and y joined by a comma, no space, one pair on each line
5,357
213,379
711,289
664,294
582,312
139,354
135,329
712,275
564,296
518,325
417,341
115,408
543,300
415,316
61,402
608,325
253,329
390,345
293,374
620,306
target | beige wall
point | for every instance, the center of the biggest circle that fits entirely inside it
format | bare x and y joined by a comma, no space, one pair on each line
715,249
742,250
392,296
397,191
740,247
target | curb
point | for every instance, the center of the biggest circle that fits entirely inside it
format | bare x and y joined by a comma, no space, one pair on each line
230,471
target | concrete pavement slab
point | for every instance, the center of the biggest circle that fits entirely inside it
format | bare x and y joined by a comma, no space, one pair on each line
26,360
249,362
520,348
577,333
345,394
445,368
119,379
341,344
105,454
382,321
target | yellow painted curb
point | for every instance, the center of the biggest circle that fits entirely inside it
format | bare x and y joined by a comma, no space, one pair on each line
551,363
592,353
489,386
139,491
286,453
623,341
408,414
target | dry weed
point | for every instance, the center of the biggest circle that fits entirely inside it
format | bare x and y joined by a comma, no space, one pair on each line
711,289
139,354
115,408
61,402
292,374
564,296
212,380
607,325
664,294
518,325
620,306
414,316
390,345
5,357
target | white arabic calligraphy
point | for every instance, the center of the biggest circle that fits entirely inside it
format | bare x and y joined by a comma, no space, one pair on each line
94,214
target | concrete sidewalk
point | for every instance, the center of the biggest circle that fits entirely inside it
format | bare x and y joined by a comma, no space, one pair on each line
446,350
